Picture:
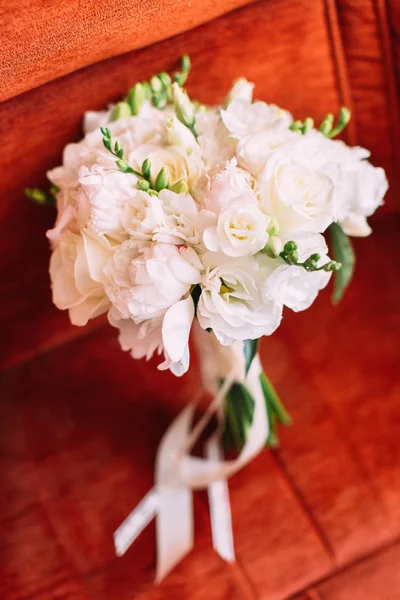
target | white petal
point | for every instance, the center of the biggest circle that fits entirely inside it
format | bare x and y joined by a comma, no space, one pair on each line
176,328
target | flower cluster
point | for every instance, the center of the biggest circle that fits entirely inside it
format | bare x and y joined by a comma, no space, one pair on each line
169,211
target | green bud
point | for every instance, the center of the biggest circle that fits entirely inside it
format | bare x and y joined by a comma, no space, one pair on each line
162,180
136,98
186,63
183,107
289,247
121,110
160,100
146,168
153,193
310,264
156,85
308,125
327,124
315,257
143,185
332,266
274,227
296,126
165,79
293,257
36,195
180,187
344,118
147,90
123,166
106,132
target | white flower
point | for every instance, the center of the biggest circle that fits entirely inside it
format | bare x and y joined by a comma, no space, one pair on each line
293,286
241,89
168,333
179,135
76,271
362,191
142,215
231,302
254,149
142,284
242,118
216,146
180,224
298,185
241,229
179,164
226,183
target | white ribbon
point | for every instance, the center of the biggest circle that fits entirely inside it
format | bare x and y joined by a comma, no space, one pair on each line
178,473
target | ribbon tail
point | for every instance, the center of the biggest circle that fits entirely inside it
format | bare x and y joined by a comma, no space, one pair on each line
174,521
135,522
220,508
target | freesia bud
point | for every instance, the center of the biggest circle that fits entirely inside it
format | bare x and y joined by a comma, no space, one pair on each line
275,244
121,110
183,107
162,180
179,135
146,168
143,185
136,98
180,187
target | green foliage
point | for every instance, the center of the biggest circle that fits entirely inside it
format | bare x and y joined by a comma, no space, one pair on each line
343,251
250,350
40,197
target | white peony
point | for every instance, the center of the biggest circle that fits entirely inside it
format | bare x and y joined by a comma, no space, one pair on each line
142,284
76,272
231,302
226,183
168,333
293,286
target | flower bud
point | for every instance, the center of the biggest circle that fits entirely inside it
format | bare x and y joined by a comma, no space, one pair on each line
136,98
121,110
162,180
293,257
179,135
180,187
275,244
165,79
156,84
242,89
289,247
146,168
183,107
143,185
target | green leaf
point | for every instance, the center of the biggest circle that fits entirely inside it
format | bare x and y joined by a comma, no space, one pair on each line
250,350
274,401
343,252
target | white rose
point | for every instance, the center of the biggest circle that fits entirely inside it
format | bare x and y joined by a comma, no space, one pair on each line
299,185
293,286
231,302
76,272
242,118
362,191
253,150
143,284
241,229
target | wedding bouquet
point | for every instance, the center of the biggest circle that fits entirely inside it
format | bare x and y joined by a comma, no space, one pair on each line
170,212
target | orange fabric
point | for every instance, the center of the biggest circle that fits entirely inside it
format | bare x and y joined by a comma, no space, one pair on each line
43,40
